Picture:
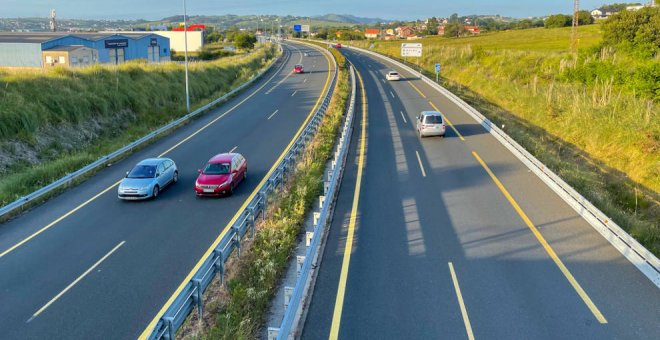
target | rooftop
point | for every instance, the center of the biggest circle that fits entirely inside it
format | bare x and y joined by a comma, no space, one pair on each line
40,37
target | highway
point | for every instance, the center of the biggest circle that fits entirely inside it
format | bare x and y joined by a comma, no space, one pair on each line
86,265
453,238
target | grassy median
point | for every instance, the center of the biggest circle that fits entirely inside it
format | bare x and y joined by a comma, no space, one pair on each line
592,118
53,122
238,310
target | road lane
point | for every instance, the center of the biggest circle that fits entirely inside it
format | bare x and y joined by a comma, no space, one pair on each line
411,226
164,238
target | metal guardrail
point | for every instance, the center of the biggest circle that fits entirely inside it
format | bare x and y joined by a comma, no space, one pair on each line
191,295
292,316
628,246
67,179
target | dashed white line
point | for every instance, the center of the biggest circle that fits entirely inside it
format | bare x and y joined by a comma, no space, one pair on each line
404,118
294,93
271,116
233,149
76,281
392,94
305,80
420,164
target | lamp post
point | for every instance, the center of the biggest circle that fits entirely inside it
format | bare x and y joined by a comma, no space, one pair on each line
185,54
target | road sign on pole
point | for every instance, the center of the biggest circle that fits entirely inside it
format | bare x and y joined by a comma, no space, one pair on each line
297,28
305,28
411,50
437,72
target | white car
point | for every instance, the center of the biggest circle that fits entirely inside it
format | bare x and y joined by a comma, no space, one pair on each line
392,75
430,123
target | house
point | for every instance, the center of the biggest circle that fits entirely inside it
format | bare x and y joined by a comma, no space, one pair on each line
338,34
371,33
473,29
441,30
597,14
390,37
389,31
405,32
634,7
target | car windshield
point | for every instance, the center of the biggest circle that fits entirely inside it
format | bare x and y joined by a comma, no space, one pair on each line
298,66
394,74
142,171
433,120
216,169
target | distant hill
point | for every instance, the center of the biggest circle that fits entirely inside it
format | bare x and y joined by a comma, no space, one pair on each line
351,19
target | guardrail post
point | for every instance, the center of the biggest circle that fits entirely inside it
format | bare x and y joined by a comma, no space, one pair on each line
308,238
288,292
237,240
299,263
220,265
197,298
251,221
170,331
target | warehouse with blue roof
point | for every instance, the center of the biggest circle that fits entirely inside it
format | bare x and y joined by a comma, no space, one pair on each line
80,49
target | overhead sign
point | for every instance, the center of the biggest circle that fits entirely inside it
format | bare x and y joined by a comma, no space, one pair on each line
411,50
116,43
305,28
297,28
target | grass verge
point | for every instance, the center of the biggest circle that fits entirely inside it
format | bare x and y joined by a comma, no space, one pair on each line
55,122
238,310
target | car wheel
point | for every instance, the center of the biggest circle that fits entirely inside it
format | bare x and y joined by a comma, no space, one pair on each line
245,174
176,177
155,192
231,189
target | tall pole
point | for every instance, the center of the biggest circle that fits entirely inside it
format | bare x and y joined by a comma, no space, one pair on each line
185,53
576,9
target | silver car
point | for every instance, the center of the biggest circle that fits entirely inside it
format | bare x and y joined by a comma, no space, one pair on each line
430,123
148,178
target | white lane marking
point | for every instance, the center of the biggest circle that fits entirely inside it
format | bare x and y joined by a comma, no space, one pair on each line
294,93
305,80
233,149
383,80
271,116
459,296
392,93
420,164
404,118
76,281
288,75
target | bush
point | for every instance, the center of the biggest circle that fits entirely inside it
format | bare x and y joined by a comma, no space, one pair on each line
640,28
558,20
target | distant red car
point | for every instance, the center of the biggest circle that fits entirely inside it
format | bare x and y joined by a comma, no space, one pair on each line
338,45
221,175
298,69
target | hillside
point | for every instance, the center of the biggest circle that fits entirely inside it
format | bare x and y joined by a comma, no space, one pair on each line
594,119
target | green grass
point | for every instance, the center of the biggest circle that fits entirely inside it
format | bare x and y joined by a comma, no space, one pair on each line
52,122
259,270
593,118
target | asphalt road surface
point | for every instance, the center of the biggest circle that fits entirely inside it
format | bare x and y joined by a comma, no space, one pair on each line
452,238
85,265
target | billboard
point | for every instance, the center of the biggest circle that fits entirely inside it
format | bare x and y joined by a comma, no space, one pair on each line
305,28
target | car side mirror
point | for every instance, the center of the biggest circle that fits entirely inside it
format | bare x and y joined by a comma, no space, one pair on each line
127,173
157,175
234,171
199,171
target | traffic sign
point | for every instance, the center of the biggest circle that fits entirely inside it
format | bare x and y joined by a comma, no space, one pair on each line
305,28
297,28
411,50
437,68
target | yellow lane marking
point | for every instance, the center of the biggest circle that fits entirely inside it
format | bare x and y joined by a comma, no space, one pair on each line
416,89
215,243
448,121
583,295
419,159
59,219
341,288
466,319
76,281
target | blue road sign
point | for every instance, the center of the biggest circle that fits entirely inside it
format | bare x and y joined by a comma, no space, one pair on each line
297,28
437,68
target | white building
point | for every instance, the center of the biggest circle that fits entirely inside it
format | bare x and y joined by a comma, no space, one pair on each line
177,40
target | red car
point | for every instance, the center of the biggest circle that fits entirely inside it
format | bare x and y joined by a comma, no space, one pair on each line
338,45
298,69
221,175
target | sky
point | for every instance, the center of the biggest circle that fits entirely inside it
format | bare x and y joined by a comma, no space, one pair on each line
385,9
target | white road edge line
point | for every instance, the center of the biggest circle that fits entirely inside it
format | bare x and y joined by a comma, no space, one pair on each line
459,296
404,118
419,159
392,93
76,281
233,149
294,93
272,114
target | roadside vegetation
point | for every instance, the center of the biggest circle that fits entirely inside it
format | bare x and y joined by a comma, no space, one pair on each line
53,122
593,117
238,310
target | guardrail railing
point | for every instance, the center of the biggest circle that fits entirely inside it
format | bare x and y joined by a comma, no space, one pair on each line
628,246
67,179
191,295
290,325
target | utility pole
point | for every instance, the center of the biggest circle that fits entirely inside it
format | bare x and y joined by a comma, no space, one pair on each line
574,31
53,21
185,54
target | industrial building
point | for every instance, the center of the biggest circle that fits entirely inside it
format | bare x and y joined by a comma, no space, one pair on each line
177,39
78,49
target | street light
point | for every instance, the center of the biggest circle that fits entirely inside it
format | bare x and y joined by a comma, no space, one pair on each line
185,54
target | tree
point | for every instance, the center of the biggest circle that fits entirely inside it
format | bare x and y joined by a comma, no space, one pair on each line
638,28
454,30
525,24
585,18
245,40
558,20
